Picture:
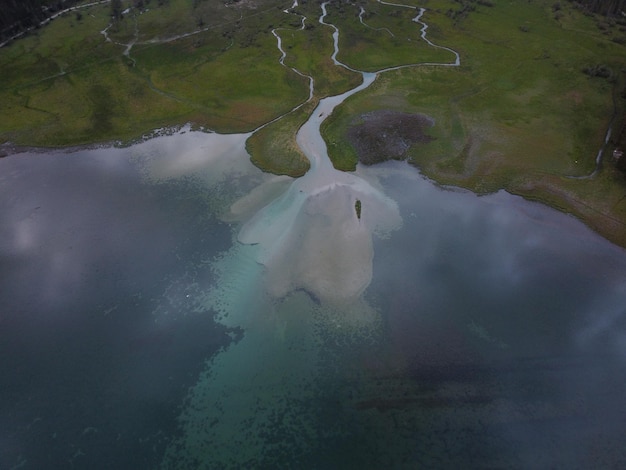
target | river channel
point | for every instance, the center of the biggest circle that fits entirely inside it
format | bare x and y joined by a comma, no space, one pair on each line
168,305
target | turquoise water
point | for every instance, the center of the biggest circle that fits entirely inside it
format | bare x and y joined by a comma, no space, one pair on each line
148,321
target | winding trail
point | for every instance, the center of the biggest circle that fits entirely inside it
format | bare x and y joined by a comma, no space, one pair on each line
362,12
600,154
292,231
309,138
283,56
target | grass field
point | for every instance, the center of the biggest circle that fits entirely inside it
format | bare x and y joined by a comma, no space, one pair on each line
520,113
67,85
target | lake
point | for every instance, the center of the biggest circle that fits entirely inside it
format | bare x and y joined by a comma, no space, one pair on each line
168,305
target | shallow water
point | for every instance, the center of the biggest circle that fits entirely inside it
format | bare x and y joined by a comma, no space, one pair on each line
146,321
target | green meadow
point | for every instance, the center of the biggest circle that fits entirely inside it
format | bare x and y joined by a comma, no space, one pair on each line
309,49
66,85
539,84
518,114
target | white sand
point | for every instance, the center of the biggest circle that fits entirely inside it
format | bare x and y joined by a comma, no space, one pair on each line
311,238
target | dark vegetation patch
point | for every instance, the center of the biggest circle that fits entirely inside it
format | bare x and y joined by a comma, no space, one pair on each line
17,16
603,7
383,135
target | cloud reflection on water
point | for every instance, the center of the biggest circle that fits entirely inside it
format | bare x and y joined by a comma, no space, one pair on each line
498,324
526,300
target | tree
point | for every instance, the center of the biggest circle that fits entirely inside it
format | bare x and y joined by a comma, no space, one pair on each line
604,7
17,16
116,9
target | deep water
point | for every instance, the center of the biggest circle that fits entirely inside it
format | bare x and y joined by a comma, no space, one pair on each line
137,330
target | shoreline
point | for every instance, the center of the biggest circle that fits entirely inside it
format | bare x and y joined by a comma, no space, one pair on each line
607,225
599,214
8,149
546,192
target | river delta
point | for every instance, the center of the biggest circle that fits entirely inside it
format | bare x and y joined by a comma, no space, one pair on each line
169,305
